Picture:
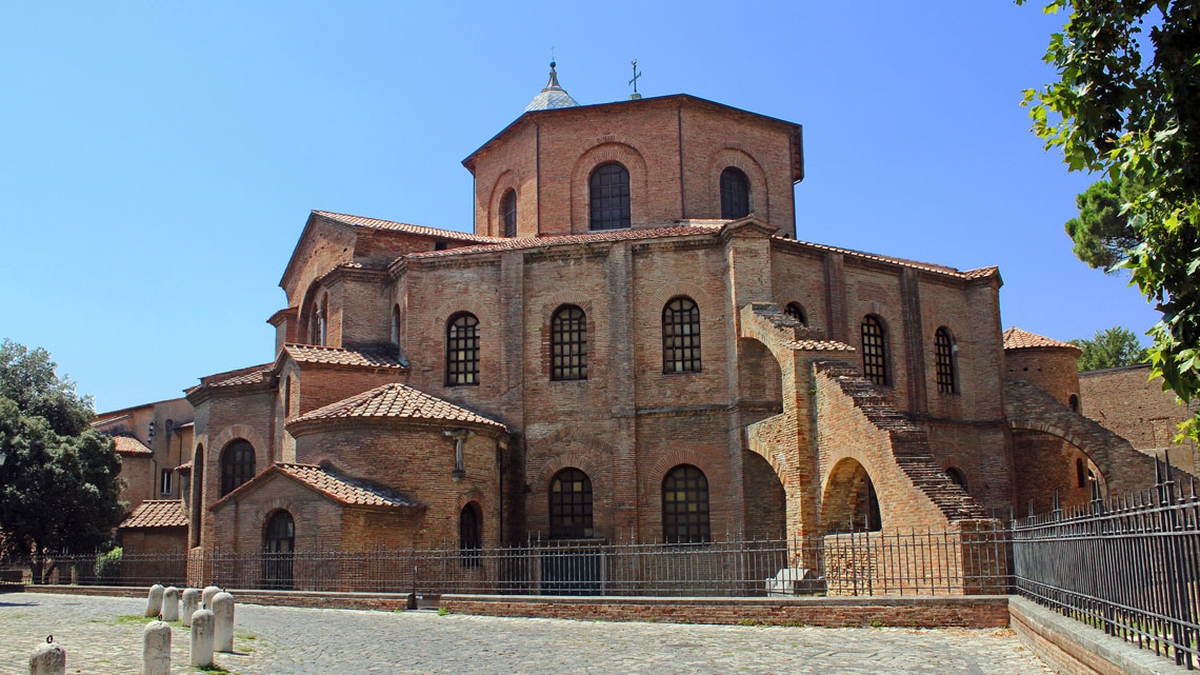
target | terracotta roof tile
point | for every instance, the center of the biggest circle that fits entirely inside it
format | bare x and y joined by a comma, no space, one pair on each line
157,513
1015,338
513,244
341,357
235,378
184,468
343,489
128,445
377,224
821,346
397,401
980,273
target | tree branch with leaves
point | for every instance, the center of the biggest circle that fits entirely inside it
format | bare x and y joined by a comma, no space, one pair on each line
1127,106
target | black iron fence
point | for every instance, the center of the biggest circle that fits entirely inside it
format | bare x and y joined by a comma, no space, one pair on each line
1129,565
950,562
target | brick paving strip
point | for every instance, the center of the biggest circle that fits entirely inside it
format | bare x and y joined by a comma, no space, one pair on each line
104,636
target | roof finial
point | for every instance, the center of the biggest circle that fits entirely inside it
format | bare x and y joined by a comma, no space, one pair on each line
636,75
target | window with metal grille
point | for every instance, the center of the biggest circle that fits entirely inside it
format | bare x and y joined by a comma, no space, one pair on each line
685,505
735,194
681,336
568,344
462,350
944,349
571,505
608,189
874,351
795,311
470,534
237,465
508,212
279,543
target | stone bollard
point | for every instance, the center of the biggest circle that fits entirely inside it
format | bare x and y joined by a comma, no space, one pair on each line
191,602
48,659
202,638
207,596
170,604
223,622
154,600
156,648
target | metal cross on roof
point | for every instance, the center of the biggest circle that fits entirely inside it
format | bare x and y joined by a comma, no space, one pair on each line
636,75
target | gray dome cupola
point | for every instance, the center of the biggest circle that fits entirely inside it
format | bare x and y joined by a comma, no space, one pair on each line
553,96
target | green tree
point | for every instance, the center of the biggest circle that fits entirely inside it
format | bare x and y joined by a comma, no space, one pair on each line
1110,348
1130,110
1103,233
59,483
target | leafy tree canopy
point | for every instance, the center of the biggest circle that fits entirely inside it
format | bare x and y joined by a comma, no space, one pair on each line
59,483
1110,348
1103,233
1130,110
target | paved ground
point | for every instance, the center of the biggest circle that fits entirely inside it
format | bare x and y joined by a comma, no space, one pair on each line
103,635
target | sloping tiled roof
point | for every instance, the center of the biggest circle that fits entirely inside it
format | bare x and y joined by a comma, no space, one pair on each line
1015,338
128,445
157,513
184,468
235,378
377,224
821,346
979,273
342,489
340,357
399,401
512,244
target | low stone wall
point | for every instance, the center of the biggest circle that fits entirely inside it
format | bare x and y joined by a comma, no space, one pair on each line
1074,648
918,612
387,602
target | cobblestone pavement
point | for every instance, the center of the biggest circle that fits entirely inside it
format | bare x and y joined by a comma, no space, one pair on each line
103,635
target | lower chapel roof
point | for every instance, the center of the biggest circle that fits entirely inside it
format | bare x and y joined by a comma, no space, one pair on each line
397,401
327,482
155,513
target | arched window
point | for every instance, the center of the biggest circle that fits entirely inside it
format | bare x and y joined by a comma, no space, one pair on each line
568,344
470,534
462,349
396,326
943,347
508,213
197,495
735,194
874,350
681,336
608,190
957,477
797,312
237,465
571,505
685,505
322,334
279,542
1081,473
1073,401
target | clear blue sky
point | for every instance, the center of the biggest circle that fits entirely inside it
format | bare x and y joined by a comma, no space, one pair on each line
158,160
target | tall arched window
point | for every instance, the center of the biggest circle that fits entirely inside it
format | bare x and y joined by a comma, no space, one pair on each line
197,495
571,505
568,344
470,534
608,190
508,213
396,326
279,542
735,194
797,312
323,321
681,336
462,349
1073,401
943,347
874,350
685,505
237,465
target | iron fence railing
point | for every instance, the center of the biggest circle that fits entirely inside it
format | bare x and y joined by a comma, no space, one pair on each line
872,563
1127,565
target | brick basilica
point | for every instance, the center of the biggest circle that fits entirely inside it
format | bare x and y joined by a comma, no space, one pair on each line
632,345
